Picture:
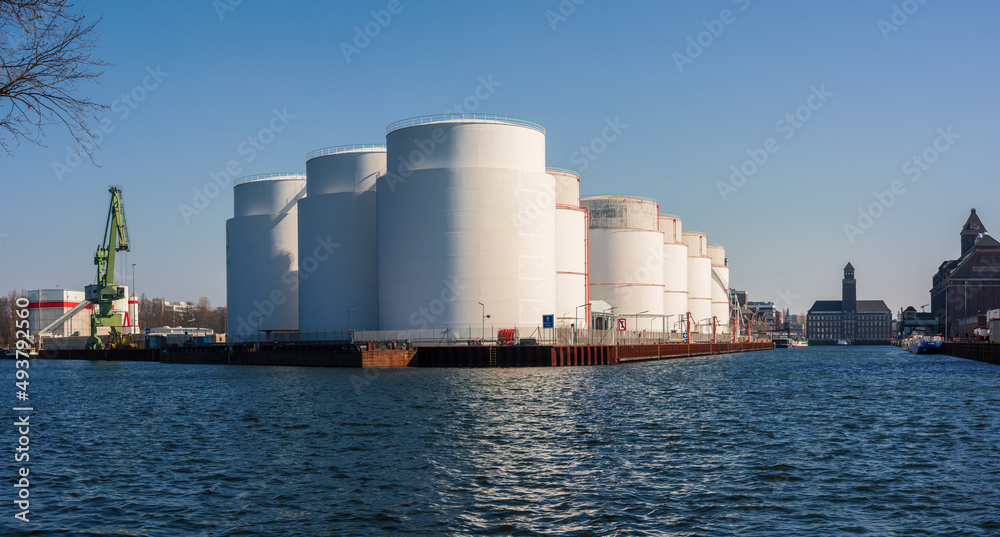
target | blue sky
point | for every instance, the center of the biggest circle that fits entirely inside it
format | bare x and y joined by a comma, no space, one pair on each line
222,74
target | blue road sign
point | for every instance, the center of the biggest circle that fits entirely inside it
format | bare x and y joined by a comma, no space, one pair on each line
548,321
685,335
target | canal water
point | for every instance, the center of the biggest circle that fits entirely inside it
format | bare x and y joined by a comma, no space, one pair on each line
813,441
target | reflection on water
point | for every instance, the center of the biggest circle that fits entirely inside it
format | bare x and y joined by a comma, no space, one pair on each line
813,441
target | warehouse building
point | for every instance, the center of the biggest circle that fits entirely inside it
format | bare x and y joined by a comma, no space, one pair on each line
966,288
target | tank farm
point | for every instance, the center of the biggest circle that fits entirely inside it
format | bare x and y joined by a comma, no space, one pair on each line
453,244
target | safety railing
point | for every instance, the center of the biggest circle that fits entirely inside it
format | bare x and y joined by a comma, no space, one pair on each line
565,171
268,177
620,197
354,148
464,118
473,335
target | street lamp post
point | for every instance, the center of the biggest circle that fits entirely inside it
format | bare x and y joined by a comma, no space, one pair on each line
613,327
483,339
663,327
637,319
350,334
133,315
576,321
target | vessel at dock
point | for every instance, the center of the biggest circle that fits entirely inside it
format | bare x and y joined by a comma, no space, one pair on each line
924,344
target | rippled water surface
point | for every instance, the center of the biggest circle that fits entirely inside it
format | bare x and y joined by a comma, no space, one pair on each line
816,441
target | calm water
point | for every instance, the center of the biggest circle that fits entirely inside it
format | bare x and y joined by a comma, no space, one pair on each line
817,441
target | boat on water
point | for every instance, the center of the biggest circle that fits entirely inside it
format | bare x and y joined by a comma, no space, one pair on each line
924,344
801,343
842,342
782,343
11,354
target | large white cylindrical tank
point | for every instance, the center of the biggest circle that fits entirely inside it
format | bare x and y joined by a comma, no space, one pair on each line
675,270
262,255
720,286
466,214
626,254
338,256
699,281
571,249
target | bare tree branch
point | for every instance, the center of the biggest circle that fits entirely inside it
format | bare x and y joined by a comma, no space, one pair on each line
45,53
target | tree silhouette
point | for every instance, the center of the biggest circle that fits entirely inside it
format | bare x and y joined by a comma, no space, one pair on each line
45,53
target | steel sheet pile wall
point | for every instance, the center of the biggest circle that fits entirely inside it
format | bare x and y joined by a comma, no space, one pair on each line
675,270
571,249
699,281
466,214
338,263
720,286
262,254
626,254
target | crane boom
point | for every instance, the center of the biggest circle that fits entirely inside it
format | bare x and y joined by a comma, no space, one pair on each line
106,291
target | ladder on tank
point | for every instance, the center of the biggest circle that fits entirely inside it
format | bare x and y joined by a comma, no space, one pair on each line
493,355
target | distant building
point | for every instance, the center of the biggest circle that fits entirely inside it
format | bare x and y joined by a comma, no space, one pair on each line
45,306
969,286
177,308
911,321
857,321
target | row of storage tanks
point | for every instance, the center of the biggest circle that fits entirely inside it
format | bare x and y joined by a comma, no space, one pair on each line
452,218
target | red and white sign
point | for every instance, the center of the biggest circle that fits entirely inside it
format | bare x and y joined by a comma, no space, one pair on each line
621,325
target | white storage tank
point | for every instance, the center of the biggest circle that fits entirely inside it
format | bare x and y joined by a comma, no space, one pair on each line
261,255
571,250
626,255
720,286
338,256
675,271
466,214
699,281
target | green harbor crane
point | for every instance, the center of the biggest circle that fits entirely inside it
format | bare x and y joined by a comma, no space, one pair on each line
103,294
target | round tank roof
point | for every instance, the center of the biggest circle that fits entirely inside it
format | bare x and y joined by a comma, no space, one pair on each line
464,118
270,177
621,198
353,148
564,171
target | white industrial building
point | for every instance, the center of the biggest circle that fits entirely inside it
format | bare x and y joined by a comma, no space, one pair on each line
451,230
63,313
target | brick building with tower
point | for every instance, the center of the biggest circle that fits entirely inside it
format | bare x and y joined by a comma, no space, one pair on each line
857,322
966,288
